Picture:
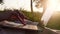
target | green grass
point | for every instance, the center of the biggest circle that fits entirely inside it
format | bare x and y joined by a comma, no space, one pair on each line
54,22
36,17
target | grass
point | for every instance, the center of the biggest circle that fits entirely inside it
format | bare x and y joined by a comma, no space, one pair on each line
36,16
54,22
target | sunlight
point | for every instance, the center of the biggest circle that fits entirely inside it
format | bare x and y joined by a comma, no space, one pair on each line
51,6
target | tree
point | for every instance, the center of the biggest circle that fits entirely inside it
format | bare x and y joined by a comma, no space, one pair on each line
37,4
32,10
1,1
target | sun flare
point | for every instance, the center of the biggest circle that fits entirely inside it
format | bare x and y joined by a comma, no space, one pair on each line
50,8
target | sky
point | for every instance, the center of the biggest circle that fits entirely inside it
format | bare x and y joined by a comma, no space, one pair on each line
17,4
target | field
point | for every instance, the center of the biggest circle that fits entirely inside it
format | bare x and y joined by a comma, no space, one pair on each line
53,23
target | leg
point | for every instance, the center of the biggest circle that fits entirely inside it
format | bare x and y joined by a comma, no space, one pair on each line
22,20
19,18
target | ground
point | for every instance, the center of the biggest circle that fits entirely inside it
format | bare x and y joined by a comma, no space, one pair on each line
5,30
14,31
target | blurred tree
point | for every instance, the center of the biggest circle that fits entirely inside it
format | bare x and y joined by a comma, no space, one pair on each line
32,10
1,1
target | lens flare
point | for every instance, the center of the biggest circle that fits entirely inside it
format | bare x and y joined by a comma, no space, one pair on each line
50,8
